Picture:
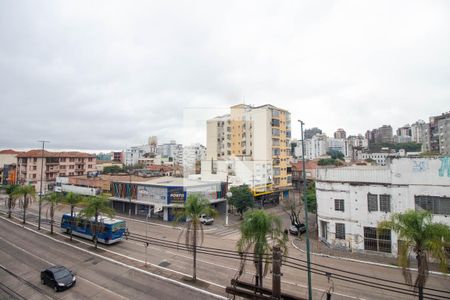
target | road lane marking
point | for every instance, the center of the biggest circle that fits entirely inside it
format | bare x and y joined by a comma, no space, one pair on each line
50,263
180,273
125,265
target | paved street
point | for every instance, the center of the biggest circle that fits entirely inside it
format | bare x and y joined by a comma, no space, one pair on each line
218,271
24,253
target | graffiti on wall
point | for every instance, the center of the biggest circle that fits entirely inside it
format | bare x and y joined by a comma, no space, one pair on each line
419,166
445,166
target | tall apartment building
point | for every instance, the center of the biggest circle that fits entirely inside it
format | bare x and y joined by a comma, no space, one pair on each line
438,134
340,134
255,139
418,131
384,134
309,133
54,164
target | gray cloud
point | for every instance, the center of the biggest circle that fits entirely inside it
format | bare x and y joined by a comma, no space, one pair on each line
109,74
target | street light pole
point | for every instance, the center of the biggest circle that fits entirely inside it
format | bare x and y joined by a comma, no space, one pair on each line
40,186
305,203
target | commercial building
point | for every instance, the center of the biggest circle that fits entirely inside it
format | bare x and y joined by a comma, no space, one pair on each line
251,143
162,197
8,164
353,200
54,164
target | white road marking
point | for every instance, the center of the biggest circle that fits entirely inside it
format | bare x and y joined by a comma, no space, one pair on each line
50,263
127,266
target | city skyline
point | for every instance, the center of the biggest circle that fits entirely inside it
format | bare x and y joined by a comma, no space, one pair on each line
110,77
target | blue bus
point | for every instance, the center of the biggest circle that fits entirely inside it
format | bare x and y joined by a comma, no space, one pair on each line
110,230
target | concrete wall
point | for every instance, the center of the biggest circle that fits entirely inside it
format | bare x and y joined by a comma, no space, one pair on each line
403,179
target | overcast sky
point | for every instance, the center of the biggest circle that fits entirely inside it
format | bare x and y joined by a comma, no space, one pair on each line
107,75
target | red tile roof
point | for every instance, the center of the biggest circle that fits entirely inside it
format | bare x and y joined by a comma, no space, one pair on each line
310,164
159,168
38,153
9,151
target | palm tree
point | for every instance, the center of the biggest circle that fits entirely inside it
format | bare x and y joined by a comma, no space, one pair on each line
27,193
256,230
72,200
53,200
11,199
195,206
93,207
417,233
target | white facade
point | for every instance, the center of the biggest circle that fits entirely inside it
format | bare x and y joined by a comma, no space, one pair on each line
315,147
379,158
338,145
418,132
135,153
191,155
353,200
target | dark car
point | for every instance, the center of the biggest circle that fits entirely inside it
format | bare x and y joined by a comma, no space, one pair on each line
294,231
58,277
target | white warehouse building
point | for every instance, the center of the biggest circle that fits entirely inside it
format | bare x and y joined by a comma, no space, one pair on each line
353,200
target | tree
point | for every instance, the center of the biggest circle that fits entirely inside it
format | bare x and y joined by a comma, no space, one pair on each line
195,206
242,198
52,200
256,230
11,202
293,206
93,207
112,169
25,194
311,197
72,200
418,234
336,154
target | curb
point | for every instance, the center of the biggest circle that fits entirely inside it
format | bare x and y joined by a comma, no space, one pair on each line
363,261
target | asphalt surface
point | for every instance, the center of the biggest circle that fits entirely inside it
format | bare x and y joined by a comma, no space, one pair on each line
23,254
217,271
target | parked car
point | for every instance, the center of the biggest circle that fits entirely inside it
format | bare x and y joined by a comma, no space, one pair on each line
206,220
294,231
58,277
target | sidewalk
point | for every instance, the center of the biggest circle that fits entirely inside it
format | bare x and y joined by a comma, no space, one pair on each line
320,249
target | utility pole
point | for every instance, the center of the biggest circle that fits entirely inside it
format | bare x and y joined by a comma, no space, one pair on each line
305,201
40,186
276,273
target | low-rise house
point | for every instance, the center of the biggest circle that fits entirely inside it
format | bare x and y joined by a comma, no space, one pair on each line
353,200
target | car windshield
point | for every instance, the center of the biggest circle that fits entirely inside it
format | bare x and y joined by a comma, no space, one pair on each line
61,273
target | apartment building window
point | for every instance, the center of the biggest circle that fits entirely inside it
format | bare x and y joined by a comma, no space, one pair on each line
89,166
71,159
372,202
34,168
275,132
436,205
340,231
34,160
385,203
62,174
377,240
339,204
71,173
62,167
71,167
34,175
90,159
62,159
